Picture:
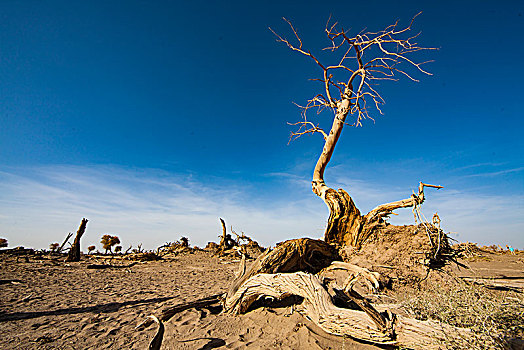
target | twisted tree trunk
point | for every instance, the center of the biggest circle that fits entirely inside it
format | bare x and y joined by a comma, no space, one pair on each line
346,225
318,306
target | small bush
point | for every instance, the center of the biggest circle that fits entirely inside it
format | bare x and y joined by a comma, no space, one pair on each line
494,317
54,247
109,241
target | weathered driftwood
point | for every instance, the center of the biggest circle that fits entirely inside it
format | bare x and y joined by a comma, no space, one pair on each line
354,273
74,252
318,306
156,343
303,254
372,323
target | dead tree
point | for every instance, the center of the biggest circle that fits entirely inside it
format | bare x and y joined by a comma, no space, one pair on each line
74,252
69,235
300,267
349,92
226,242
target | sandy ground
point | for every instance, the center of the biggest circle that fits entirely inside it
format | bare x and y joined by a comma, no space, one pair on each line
49,305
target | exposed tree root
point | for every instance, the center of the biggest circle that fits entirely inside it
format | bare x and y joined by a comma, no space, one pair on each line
319,308
156,343
170,312
302,254
305,268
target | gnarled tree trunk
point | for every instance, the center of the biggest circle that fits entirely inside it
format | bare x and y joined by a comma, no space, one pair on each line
347,226
318,306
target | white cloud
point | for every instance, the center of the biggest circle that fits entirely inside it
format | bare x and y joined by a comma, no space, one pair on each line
480,218
40,205
497,173
147,206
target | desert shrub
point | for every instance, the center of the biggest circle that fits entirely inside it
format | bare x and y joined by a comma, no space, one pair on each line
109,241
118,249
182,245
494,317
54,246
3,243
211,246
90,249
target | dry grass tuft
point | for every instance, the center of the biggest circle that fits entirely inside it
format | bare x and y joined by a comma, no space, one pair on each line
496,318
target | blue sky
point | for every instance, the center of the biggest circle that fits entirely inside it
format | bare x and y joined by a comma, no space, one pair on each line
154,119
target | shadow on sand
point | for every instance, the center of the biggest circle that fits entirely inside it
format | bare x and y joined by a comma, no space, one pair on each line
101,308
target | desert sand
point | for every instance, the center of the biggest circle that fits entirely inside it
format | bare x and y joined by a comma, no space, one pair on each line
51,304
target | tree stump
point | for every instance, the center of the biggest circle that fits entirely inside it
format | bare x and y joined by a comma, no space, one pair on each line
74,252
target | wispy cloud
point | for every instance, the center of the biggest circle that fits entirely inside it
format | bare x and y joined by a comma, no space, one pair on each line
40,205
497,173
474,217
147,206
478,165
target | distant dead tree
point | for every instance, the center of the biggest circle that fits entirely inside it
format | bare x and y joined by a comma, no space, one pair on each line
3,243
66,240
109,241
74,252
138,249
349,92
226,242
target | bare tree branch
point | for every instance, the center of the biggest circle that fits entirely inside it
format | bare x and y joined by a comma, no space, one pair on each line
349,85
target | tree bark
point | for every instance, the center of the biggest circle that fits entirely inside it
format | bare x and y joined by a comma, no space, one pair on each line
303,254
347,226
74,252
318,306
223,239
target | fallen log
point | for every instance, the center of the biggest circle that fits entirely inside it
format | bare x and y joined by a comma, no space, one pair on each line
318,306
303,254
